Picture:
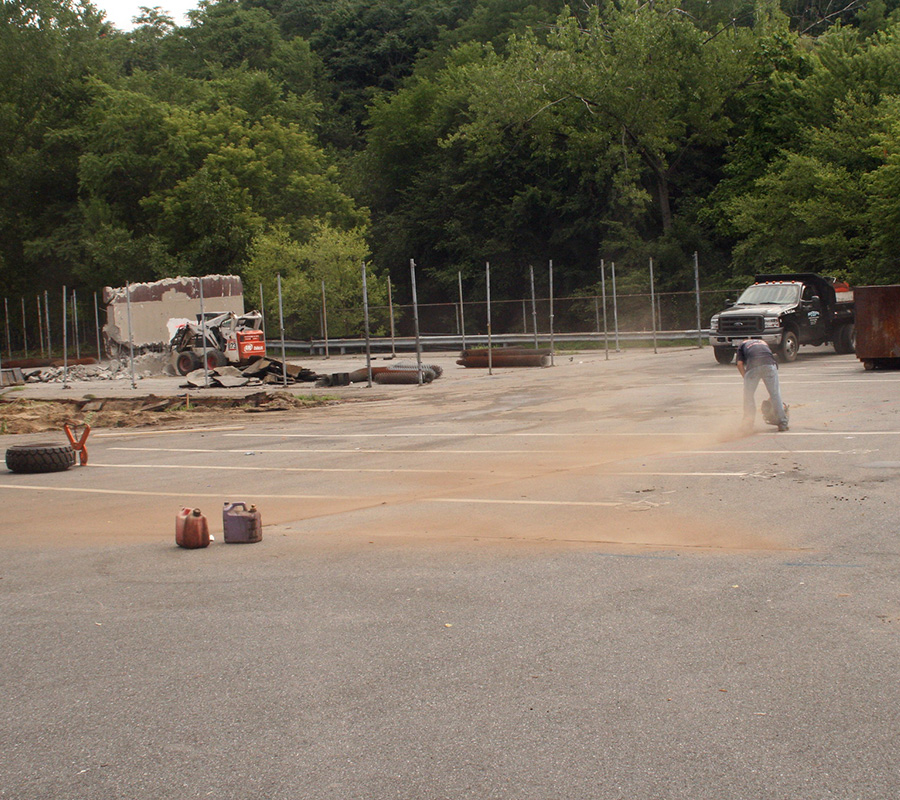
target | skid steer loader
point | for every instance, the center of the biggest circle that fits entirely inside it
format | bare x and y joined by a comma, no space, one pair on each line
229,339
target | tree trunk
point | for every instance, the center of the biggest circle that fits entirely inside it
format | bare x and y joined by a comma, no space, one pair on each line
665,205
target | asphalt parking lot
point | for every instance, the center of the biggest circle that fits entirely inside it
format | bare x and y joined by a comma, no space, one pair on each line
573,582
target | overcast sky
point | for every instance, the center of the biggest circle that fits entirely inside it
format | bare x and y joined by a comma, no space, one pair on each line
120,12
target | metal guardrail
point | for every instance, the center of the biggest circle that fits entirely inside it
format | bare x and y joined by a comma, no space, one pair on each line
455,341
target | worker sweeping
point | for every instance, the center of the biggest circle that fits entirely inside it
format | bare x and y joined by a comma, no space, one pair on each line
756,362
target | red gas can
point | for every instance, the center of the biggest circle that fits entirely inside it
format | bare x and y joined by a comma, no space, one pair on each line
191,529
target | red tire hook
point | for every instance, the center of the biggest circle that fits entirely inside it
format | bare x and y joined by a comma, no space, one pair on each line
80,444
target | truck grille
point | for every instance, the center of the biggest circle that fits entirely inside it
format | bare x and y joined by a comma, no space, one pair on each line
748,325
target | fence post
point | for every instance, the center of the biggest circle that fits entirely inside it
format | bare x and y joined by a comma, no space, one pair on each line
415,299
365,290
65,327
281,329
40,324
391,313
615,305
75,324
551,314
462,311
47,322
603,290
130,334
533,308
24,329
262,309
97,327
8,337
203,336
697,292
325,319
653,306
487,276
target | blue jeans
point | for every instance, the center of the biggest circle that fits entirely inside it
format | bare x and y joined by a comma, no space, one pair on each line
768,374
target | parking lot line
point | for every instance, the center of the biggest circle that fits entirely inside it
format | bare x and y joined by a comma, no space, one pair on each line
520,502
779,452
529,435
680,474
457,435
183,493
354,451
207,467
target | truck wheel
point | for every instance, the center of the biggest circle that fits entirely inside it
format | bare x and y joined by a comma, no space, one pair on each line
845,339
31,458
215,358
186,362
789,346
724,355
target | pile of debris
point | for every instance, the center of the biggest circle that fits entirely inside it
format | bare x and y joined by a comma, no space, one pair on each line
402,372
265,371
108,371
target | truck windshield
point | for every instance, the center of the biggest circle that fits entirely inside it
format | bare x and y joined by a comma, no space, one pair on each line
761,293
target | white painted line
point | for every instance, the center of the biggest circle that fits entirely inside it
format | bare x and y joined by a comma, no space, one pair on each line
386,451
185,493
783,452
465,435
848,434
207,467
786,380
677,474
170,430
354,451
458,435
845,380
469,500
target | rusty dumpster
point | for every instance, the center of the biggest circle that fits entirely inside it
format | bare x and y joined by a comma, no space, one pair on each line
878,326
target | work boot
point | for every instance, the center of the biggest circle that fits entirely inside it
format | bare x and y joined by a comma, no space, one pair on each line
782,426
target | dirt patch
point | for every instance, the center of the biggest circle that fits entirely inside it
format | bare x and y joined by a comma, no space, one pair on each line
35,416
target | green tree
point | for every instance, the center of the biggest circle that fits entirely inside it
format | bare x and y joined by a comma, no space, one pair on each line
330,256
825,190
591,138
49,49
882,223
172,189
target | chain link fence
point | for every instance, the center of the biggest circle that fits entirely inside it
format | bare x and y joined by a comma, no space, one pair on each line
33,326
676,314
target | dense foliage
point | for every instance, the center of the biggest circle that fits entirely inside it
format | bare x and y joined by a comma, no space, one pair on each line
303,137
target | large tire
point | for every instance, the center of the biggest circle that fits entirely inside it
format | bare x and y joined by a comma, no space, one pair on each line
30,458
724,355
845,339
790,344
214,358
185,362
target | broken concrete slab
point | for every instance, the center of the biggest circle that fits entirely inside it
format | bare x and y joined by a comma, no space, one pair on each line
12,377
227,370
258,366
230,381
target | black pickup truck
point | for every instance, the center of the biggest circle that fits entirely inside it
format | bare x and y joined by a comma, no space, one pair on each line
785,311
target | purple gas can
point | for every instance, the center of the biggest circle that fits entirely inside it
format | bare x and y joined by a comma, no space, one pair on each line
240,523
